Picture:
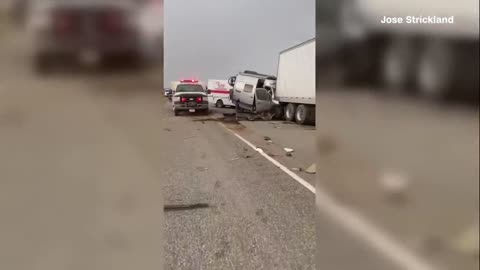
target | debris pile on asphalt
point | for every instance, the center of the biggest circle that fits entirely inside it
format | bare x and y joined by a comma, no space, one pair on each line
266,116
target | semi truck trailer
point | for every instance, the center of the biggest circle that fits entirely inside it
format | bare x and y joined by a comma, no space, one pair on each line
295,87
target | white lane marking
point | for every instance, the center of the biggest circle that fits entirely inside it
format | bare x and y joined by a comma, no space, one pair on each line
352,221
276,163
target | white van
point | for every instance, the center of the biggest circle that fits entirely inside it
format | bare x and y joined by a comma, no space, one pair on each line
252,91
219,93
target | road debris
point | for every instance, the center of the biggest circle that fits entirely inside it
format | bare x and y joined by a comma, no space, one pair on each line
394,185
297,169
180,207
288,151
202,169
268,139
272,155
312,169
233,159
167,129
266,116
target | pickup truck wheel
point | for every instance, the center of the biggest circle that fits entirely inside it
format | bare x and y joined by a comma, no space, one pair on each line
176,112
290,112
219,104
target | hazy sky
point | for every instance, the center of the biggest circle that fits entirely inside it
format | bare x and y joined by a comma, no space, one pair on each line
215,39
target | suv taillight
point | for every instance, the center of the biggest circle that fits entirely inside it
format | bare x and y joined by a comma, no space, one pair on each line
183,99
199,99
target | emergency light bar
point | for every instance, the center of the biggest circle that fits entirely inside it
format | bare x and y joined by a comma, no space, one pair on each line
189,81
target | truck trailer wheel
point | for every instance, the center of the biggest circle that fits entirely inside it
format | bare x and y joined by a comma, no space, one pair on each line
399,63
436,69
304,115
290,110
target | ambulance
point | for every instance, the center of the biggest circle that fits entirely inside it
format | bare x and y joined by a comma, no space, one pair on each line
219,93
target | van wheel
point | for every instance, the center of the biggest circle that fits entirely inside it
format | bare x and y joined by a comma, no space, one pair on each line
219,104
290,112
